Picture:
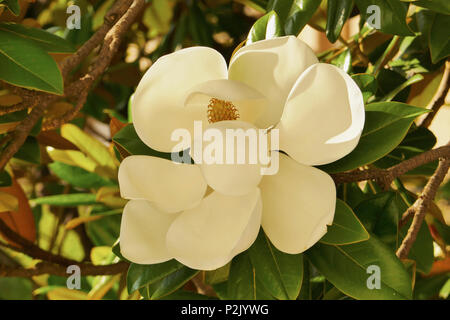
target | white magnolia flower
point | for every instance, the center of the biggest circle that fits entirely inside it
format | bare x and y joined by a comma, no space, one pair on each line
319,112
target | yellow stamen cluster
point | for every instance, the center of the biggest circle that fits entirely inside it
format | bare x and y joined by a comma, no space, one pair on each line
220,110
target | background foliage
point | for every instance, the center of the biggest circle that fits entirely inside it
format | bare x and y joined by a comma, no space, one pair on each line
59,195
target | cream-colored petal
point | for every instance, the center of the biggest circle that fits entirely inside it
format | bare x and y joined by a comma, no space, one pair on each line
272,66
158,103
170,186
230,161
204,237
323,117
143,233
251,231
298,203
248,101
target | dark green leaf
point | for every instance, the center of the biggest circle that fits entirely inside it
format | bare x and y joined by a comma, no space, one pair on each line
128,139
46,40
25,64
266,27
29,151
299,15
381,215
279,272
338,12
416,141
440,37
140,275
346,268
393,15
440,6
243,284
344,61
346,227
383,119
171,283
367,83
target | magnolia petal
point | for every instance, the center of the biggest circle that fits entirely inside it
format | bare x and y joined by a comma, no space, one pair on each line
323,117
143,233
251,231
158,103
170,186
272,67
298,204
248,102
231,169
204,237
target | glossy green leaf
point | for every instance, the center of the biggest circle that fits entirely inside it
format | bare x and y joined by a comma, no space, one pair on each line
243,284
67,200
367,83
128,139
25,64
417,141
346,227
300,13
440,6
79,177
338,12
346,267
381,215
29,151
439,38
140,275
266,27
344,61
279,272
170,283
401,87
392,15
46,40
383,119
218,275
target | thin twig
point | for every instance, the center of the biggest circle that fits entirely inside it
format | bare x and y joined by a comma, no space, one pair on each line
58,270
109,49
439,97
420,207
39,101
386,176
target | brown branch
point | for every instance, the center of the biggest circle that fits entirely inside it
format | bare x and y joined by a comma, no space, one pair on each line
386,176
420,207
117,10
59,270
439,97
110,47
52,263
39,101
25,246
